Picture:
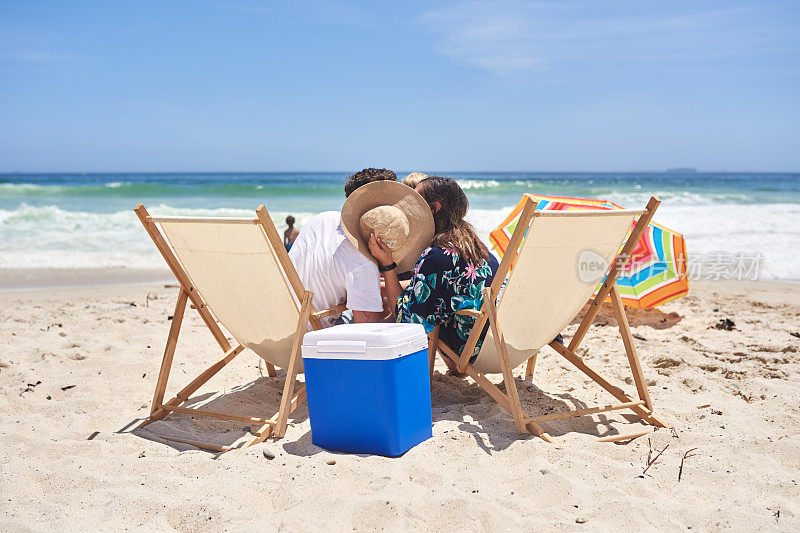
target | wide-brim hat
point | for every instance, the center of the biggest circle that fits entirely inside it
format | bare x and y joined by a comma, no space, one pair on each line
396,213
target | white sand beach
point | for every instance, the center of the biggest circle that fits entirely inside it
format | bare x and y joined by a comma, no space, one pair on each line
78,367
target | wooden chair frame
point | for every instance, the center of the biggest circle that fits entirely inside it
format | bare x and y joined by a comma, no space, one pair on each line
509,400
291,398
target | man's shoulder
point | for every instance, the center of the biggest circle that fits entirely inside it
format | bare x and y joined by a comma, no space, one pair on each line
322,226
325,218
319,228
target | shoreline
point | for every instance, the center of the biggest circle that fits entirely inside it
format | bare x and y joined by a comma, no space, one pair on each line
37,279
21,279
57,277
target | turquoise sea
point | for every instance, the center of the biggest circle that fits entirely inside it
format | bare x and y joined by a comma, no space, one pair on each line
86,220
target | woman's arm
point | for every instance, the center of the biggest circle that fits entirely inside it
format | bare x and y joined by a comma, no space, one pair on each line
383,254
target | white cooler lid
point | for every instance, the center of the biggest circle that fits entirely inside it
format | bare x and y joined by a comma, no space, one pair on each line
365,341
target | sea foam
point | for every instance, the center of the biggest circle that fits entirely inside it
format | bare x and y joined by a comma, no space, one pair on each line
49,236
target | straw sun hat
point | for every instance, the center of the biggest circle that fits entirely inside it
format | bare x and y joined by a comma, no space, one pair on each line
397,214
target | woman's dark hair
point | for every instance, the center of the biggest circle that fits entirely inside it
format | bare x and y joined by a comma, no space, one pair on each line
290,220
451,230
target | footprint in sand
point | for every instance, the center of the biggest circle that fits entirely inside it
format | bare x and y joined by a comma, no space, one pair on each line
693,384
666,362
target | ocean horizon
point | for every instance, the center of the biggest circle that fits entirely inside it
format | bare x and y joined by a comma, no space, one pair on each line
86,220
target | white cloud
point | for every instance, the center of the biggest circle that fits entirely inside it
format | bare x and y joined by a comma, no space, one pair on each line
493,36
509,36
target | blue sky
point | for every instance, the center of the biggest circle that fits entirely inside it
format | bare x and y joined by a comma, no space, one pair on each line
217,86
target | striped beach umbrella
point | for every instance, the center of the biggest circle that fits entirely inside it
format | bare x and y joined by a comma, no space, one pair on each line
656,272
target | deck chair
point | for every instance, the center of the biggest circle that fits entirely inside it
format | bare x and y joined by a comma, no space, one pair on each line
543,294
236,273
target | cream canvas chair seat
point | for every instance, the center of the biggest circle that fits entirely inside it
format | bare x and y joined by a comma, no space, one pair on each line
558,259
237,274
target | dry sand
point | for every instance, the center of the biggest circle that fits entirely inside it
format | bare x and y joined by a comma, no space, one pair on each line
78,367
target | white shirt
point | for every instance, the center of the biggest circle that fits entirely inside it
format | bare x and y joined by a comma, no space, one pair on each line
333,269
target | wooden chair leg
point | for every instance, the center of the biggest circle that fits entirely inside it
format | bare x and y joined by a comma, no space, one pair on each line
630,348
270,369
169,352
433,343
536,429
505,364
268,429
529,368
449,357
294,363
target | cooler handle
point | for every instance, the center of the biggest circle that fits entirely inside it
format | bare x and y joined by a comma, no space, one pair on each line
342,347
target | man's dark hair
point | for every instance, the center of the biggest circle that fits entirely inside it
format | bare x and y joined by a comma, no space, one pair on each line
365,176
290,220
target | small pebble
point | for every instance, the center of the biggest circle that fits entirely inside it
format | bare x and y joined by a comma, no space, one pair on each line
331,462
580,520
268,454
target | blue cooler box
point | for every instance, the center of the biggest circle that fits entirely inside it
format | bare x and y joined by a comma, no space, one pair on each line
368,387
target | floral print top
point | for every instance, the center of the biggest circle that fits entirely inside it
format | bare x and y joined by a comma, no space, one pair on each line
441,284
